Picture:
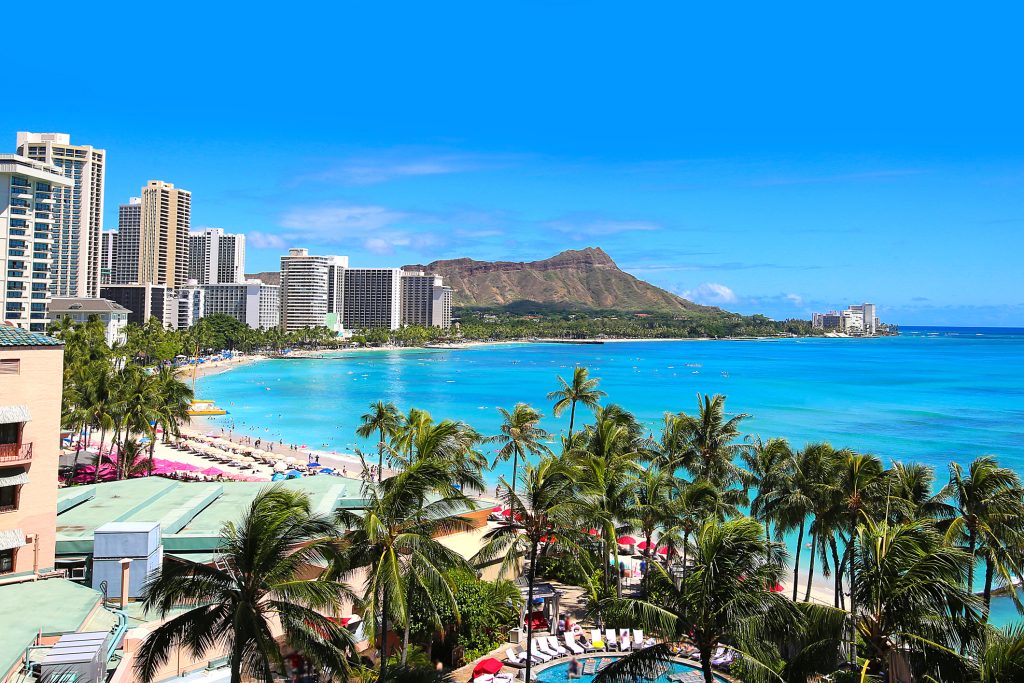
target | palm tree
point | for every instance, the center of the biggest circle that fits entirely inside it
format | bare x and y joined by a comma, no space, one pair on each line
519,435
911,595
582,390
710,450
766,464
172,400
988,520
547,505
653,507
726,597
1001,656
394,538
265,557
384,419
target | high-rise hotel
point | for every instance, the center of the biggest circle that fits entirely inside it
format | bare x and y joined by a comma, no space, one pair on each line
216,257
311,291
153,236
28,191
77,211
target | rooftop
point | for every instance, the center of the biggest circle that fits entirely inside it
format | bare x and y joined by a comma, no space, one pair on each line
54,606
15,336
190,514
62,305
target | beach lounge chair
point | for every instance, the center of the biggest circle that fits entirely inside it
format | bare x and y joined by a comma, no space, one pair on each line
514,658
724,660
626,644
590,666
572,645
597,640
503,678
555,646
611,641
639,641
484,678
541,648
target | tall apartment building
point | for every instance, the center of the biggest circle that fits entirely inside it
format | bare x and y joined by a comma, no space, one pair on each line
189,305
78,210
426,301
108,255
373,298
31,374
252,302
152,236
216,257
312,290
858,319
27,190
127,244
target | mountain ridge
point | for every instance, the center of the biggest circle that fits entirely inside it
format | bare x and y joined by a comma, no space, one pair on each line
573,279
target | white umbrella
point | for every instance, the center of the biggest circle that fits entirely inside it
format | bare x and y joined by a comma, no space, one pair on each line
280,466
290,460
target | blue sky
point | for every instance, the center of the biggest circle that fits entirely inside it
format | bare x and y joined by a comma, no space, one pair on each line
775,159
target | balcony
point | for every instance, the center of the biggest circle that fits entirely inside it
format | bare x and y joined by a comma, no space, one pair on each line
15,453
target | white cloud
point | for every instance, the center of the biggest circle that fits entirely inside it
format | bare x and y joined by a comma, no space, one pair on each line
263,240
712,293
596,227
340,218
795,298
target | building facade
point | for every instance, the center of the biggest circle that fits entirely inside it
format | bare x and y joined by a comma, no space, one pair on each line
216,257
425,300
113,315
27,195
128,243
31,373
189,305
108,254
861,319
373,298
312,290
252,302
163,240
143,302
78,210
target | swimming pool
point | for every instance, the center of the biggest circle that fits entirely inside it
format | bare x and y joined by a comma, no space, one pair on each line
559,673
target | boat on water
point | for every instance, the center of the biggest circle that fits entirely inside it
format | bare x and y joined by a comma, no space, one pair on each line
205,407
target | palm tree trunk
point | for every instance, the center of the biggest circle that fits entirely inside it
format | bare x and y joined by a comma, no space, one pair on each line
705,664
152,445
796,562
987,594
530,578
853,589
236,666
572,419
647,564
380,456
810,569
840,601
686,544
971,547
99,455
515,471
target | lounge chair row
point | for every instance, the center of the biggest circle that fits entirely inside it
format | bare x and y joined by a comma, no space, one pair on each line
545,648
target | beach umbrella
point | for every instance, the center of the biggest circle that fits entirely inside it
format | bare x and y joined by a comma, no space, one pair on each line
627,540
487,666
293,474
326,470
778,588
644,545
663,550
212,472
280,466
290,460
496,508
277,477
506,512
313,464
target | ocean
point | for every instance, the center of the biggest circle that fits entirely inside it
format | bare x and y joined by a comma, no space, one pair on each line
931,395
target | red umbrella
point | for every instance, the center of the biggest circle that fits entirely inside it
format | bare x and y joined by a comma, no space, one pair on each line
663,550
487,666
593,532
627,540
496,508
506,512
644,545
778,588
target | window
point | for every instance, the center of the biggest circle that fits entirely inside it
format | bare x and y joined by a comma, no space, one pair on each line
6,561
8,498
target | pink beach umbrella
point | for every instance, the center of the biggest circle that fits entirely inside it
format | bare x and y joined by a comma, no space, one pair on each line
212,472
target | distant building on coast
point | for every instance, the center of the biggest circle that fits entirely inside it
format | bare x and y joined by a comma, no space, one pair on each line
27,195
252,302
324,290
216,257
857,320
143,302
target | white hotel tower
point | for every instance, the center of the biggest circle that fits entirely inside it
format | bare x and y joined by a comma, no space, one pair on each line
312,289
27,190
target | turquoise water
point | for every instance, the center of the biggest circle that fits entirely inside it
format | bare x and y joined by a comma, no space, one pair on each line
559,673
928,395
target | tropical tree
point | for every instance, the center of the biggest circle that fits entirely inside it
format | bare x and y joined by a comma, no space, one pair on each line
653,507
261,578
546,507
384,419
520,435
987,521
394,538
724,599
709,449
766,462
583,390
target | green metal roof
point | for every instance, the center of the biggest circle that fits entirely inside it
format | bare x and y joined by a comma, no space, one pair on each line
15,336
55,606
190,514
